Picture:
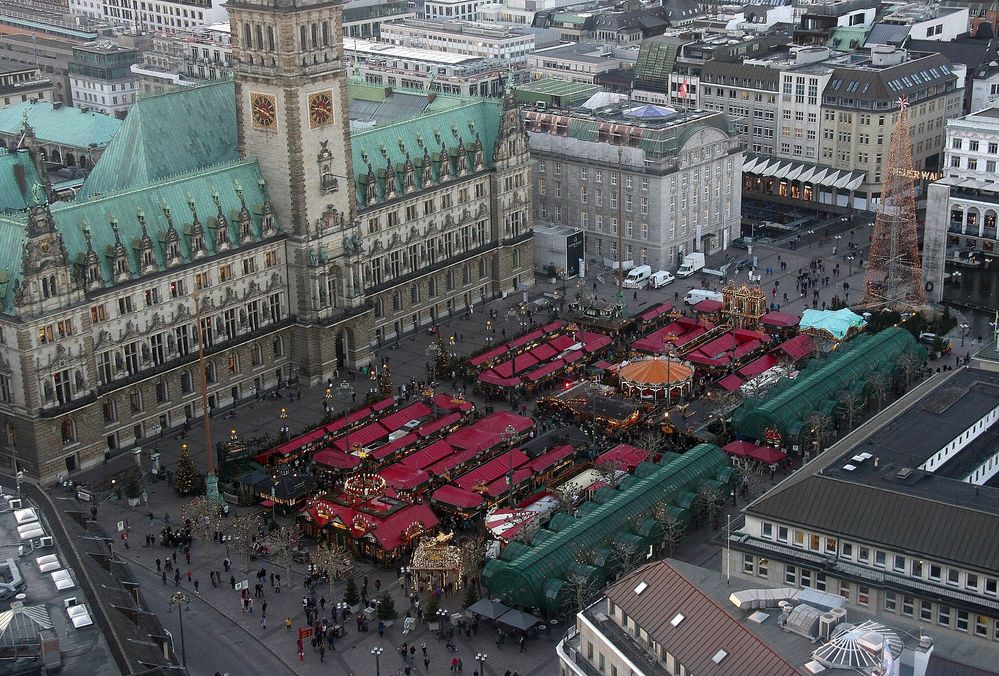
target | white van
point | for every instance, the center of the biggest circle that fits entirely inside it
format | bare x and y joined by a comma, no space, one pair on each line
695,296
637,277
660,279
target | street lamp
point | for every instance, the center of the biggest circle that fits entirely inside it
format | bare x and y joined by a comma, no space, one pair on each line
481,659
377,652
284,413
964,333
508,434
176,600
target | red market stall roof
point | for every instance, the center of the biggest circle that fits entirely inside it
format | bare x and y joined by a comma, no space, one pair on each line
655,312
389,531
490,377
708,306
385,450
449,403
718,346
488,472
473,438
781,320
439,424
561,342
457,497
764,454
363,436
758,366
553,326
572,356
336,459
693,333
626,457
521,361
544,370
746,348
428,455
551,458
731,383
498,486
543,352
360,414
395,421
593,341
450,462
383,404
797,348
525,339
602,364
403,478
488,355
498,422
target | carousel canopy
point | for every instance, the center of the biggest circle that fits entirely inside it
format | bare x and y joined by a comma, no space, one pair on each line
655,372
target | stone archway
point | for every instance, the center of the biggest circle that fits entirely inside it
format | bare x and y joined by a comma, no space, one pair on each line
56,157
70,160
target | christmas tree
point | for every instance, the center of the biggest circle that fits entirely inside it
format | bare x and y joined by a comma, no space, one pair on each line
187,480
471,595
385,381
386,608
350,594
442,361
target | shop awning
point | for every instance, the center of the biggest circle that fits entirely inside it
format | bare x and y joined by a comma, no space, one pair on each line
457,497
803,172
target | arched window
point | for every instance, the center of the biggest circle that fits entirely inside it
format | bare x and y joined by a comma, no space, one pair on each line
315,36
135,400
210,372
270,38
186,386
466,274
278,346
247,36
256,355
301,40
260,36
232,361
326,34
516,258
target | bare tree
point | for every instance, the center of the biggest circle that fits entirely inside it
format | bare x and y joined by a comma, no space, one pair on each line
204,515
878,388
818,425
908,365
282,545
709,504
581,592
673,533
335,561
610,472
628,556
721,406
851,403
653,440
243,532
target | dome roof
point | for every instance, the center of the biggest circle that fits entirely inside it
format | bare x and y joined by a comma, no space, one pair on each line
656,371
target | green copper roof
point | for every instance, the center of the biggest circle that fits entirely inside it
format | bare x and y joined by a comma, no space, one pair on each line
446,122
18,174
535,576
60,124
153,200
168,134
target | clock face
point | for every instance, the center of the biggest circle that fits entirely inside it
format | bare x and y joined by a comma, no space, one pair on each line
264,110
320,109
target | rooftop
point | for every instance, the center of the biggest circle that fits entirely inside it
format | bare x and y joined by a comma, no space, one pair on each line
867,486
372,49
60,124
586,52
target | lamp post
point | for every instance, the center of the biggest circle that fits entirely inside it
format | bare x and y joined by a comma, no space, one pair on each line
964,333
176,600
481,659
508,435
377,652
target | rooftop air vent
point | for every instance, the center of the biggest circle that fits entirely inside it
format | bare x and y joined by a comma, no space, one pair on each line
904,473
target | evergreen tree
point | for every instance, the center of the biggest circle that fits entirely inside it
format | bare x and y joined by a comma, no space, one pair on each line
187,480
385,381
430,611
350,594
386,607
471,595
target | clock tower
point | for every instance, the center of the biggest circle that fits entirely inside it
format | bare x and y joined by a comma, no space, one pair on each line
292,117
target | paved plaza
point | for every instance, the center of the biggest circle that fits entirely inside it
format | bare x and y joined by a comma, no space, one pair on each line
218,637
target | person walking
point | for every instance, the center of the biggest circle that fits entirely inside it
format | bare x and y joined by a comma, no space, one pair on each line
163,575
263,622
197,584
287,623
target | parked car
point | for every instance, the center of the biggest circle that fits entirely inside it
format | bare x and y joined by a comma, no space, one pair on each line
742,242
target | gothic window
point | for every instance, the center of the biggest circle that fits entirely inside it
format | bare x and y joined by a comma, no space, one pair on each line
94,273
516,258
232,361
315,36
326,34
162,392
247,36
210,372
174,250
270,38
260,37
256,356
450,280
466,275
397,300
110,411
301,38
135,400
68,432
278,346
482,268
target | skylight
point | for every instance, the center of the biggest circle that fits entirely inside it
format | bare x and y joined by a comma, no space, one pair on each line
640,588
719,656
677,619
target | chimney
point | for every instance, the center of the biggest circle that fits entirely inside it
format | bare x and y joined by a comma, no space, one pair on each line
56,105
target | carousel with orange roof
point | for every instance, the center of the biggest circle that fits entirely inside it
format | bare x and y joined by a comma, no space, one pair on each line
656,377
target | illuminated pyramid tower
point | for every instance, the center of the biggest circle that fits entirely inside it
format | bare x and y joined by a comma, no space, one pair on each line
894,277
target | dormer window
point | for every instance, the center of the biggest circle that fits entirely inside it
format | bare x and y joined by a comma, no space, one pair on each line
121,266
174,250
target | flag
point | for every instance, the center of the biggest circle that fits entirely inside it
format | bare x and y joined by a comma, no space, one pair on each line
683,89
